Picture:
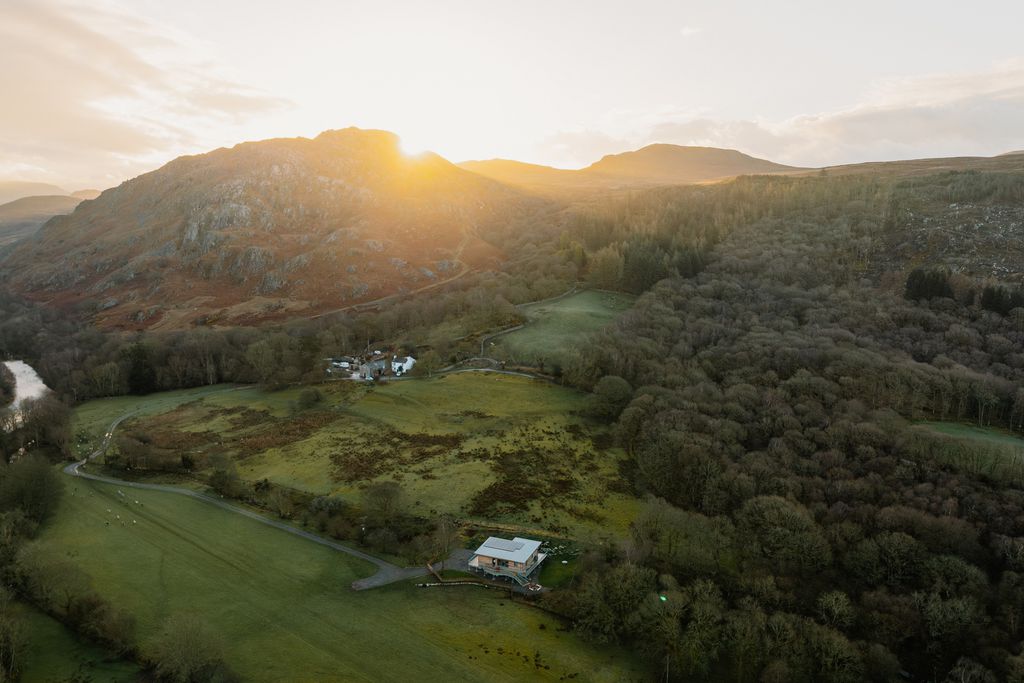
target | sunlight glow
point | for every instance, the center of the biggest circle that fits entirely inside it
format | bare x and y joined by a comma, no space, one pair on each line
411,148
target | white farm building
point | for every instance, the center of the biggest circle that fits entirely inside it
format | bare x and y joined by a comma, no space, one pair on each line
400,365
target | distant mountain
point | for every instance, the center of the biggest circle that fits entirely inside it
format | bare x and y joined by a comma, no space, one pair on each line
16,189
658,164
23,217
86,194
265,230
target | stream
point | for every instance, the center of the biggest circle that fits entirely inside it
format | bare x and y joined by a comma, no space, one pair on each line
28,383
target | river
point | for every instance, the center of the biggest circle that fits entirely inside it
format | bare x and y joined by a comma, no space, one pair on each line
28,383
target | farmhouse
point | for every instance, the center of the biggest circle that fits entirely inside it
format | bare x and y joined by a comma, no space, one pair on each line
516,559
402,364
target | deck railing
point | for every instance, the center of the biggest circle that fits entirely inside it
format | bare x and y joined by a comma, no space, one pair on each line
519,575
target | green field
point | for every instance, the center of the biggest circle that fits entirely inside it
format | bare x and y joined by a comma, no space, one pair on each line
997,437
54,654
284,608
91,419
484,446
554,329
992,453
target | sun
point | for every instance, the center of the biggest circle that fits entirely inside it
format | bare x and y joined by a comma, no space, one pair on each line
411,148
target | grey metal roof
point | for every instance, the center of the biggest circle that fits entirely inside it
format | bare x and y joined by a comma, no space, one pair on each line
516,550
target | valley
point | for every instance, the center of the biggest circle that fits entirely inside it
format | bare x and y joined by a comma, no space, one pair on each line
762,424
465,342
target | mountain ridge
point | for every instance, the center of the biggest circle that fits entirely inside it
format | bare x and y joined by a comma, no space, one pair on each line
655,164
288,227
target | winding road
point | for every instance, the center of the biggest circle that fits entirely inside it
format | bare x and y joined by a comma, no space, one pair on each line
386,571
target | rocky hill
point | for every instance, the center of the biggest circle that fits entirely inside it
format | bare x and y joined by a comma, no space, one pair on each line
658,164
264,229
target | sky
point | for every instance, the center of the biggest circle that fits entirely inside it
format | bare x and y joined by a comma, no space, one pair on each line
97,92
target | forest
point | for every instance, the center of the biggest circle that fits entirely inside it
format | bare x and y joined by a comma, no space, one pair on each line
767,386
798,527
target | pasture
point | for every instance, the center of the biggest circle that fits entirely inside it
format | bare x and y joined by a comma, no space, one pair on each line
55,654
283,605
555,329
995,454
90,420
999,437
487,447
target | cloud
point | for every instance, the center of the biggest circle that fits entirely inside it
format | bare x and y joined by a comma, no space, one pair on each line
938,115
689,31
93,96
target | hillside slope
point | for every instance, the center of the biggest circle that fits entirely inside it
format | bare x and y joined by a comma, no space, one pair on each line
653,165
264,229
521,173
23,217
1011,161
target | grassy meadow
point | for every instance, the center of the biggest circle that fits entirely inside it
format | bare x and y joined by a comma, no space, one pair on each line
484,446
988,435
90,420
554,329
55,654
283,605
993,453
